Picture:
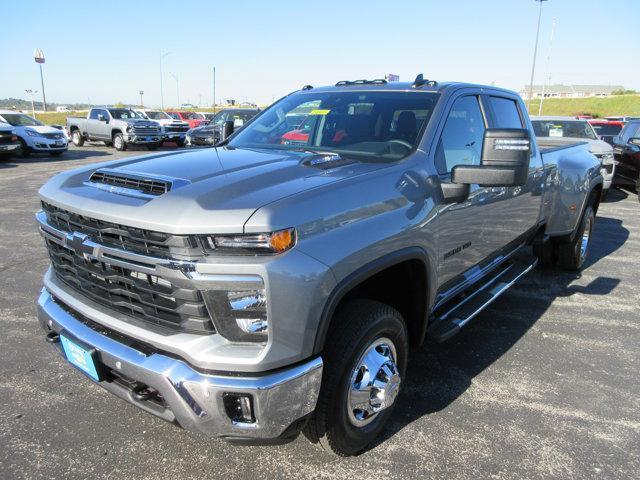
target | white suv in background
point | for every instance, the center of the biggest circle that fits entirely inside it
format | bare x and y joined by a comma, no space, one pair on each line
34,136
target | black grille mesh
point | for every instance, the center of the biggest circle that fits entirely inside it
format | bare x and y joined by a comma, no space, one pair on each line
148,186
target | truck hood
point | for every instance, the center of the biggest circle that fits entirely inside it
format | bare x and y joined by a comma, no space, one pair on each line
213,190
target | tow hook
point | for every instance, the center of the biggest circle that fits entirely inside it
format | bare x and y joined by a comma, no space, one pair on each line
142,392
52,337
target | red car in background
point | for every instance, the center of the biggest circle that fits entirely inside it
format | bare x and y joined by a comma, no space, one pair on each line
192,118
606,129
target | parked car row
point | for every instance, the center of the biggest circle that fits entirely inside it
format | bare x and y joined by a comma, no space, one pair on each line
122,127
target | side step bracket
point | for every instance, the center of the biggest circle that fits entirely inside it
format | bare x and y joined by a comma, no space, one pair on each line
451,317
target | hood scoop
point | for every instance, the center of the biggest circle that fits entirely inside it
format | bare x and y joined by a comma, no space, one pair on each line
133,184
325,160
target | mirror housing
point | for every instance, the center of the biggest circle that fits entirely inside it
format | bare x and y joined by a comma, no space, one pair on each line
227,129
505,160
102,118
635,141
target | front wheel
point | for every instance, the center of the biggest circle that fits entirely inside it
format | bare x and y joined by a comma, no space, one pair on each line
118,142
364,363
24,150
572,254
180,143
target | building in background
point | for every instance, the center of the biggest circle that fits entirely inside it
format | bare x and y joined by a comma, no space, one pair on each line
570,91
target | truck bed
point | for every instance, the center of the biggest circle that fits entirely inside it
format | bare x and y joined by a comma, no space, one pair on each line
548,144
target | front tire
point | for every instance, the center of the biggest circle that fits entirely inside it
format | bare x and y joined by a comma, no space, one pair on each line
180,143
572,254
365,360
76,138
119,143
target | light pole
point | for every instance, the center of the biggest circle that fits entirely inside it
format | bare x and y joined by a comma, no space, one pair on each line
535,53
38,56
141,102
548,70
175,77
32,93
162,55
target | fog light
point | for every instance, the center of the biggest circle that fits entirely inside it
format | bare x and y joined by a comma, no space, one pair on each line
239,315
239,407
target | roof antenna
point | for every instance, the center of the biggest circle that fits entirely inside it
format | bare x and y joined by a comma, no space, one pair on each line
420,81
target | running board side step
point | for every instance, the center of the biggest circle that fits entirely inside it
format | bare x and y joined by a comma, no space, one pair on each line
451,317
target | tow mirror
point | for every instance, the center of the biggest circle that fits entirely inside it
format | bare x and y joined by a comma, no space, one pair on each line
504,163
635,141
227,129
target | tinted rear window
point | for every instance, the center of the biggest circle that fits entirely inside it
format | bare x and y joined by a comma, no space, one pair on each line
506,112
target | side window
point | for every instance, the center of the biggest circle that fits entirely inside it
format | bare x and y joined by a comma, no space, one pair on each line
94,114
461,139
506,112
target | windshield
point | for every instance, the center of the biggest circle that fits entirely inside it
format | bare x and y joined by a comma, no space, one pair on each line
158,116
607,129
563,128
21,120
123,113
364,124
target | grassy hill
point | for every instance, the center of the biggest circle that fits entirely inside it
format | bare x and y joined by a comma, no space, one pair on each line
598,107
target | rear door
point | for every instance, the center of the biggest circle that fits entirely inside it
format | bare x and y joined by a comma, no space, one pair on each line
95,127
518,209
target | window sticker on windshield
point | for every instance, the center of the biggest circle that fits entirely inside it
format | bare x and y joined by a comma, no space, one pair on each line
555,131
319,112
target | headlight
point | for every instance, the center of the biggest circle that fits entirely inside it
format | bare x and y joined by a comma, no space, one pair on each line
260,243
32,133
239,315
607,157
129,128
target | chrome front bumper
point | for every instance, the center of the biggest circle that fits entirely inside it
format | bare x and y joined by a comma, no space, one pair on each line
151,138
190,398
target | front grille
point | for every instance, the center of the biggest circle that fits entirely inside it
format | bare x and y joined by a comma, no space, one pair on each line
144,185
143,296
176,128
53,136
136,240
145,130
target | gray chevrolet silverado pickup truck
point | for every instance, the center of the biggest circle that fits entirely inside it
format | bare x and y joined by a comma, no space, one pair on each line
115,126
260,289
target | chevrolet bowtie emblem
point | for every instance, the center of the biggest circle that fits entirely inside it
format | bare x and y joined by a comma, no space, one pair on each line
80,244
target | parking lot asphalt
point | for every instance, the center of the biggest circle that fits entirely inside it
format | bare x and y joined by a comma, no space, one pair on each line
543,384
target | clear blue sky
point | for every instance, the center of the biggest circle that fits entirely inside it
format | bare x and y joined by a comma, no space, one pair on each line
107,51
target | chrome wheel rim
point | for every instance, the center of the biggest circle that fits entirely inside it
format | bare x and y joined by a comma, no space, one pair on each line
584,243
76,138
117,142
374,382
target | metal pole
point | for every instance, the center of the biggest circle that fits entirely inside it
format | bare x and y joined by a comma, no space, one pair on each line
548,75
535,53
141,103
214,89
44,98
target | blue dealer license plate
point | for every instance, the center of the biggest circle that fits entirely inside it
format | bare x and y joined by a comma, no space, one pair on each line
80,357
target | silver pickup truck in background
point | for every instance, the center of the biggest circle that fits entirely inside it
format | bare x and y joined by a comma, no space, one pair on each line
261,288
115,126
